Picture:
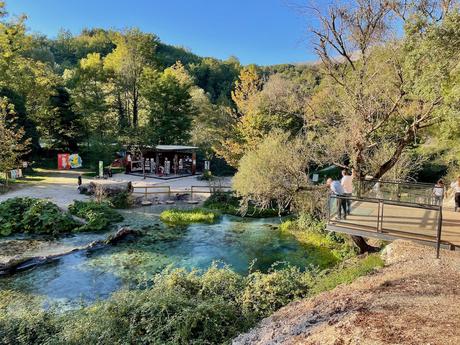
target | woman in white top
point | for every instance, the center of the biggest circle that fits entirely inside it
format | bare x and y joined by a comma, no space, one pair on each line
456,188
438,192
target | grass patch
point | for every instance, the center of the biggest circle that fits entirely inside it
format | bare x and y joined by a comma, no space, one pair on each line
346,275
183,217
99,215
324,248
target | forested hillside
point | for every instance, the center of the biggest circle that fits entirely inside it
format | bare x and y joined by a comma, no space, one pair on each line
379,102
102,88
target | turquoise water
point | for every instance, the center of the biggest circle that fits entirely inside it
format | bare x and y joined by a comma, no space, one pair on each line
83,277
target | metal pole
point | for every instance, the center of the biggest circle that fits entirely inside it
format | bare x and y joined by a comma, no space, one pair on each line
438,237
378,216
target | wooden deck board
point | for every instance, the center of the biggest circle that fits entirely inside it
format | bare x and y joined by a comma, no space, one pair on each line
403,222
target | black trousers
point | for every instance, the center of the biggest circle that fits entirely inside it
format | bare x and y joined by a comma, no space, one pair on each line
457,201
341,206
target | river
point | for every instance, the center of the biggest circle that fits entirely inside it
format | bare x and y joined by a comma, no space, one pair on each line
84,277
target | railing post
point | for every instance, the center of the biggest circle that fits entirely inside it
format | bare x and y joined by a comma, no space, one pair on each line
438,236
328,208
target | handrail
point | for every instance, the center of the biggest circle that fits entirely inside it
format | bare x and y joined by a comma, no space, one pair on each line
414,193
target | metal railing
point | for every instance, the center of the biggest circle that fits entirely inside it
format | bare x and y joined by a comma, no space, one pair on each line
401,191
397,219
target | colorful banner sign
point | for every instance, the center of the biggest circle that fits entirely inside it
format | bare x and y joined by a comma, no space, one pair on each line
69,161
63,161
75,161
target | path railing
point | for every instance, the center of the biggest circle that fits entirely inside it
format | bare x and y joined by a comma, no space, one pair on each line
401,191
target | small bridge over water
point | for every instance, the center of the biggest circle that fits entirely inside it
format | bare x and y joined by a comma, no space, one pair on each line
389,210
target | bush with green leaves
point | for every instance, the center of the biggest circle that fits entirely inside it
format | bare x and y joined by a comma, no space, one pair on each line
33,216
99,215
179,307
228,203
121,200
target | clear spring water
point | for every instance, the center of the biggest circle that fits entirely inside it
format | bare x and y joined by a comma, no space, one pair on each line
83,277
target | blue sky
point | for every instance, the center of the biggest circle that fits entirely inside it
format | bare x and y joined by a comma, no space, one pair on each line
256,31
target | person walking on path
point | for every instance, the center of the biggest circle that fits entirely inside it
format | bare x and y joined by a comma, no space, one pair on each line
456,189
438,192
337,190
347,184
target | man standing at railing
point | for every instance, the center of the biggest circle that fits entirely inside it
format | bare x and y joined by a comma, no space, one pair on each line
347,184
338,191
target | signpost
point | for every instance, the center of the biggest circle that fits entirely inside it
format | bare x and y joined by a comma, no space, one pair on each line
101,169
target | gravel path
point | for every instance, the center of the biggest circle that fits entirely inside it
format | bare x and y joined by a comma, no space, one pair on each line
58,187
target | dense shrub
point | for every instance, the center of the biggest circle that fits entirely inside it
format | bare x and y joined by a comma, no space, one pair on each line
22,320
121,200
181,307
99,215
196,215
228,203
265,293
35,216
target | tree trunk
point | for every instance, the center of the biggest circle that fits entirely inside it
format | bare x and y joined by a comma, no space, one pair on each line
384,168
17,264
135,107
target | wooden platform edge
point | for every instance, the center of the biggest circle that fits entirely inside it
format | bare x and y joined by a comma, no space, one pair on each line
386,236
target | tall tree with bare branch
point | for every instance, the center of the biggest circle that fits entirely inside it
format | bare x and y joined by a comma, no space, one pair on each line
375,78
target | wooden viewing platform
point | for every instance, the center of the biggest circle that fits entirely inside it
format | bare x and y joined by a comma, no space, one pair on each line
388,218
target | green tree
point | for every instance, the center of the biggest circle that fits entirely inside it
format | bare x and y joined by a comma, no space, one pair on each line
133,53
379,95
63,129
170,108
12,143
26,82
93,98
275,171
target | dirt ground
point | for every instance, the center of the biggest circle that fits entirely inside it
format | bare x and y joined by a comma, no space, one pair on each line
414,299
